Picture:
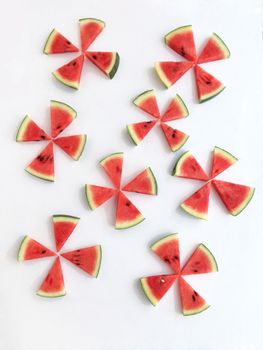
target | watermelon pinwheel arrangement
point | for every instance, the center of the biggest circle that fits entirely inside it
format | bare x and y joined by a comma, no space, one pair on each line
70,73
201,261
181,40
87,259
61,115
175,110
234,196
127,215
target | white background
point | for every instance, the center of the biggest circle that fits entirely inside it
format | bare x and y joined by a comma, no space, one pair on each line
111,313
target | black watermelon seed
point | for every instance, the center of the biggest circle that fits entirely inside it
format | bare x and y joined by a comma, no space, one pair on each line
74,63
193,297
195,293
78,250
68,42
195,270
128,204
173,135
175,257
43,251
182,51
95,57
42,137
167,260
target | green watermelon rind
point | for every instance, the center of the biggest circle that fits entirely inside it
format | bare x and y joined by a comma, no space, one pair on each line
73,85
58,294
193,212
197,311
163,240
93,19
88,198
110,156
98,264
222,45
175,171
39,175
81,148
183,105
181,144
115,66
176,30
65,106
48,41
211,95
63,217
132,223
153,182
132,135
162,77
147,292
142,96
22,127
22,247
225,154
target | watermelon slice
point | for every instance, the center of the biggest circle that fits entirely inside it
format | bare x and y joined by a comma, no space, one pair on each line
198,203
112,165
63,226
207,85
127,215
90,28
155,287
148,103
188,167
201,261
53,284
107,62
181,40
70,73
170,72
215,49
138,131
144,183
175,138
221,161
97,195
167,248
61,116
72,145
30,131
176,110
88,259
57,43
43,165
30,249
234,196
192,302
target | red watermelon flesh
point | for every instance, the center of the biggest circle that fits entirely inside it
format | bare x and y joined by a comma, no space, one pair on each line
57,43
43,165
207,85
30,249
181,40
53,284
201,261
170,72
30,131
107,62
192,302
112,165
148,103
127,215
234,196
222,160
167,249
70,73
176,110
175,138
88,259
188,167
215,49
90,28
144,183
61,116
73,145
138,131
97,195
63,226
155,287
198,203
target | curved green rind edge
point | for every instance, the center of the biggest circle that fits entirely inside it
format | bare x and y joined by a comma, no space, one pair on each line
175,30
191,313
62,294
211,256
212,96
224,44
130,134
99,262
61,80
115,67
20,126
153,179
228,153
147,294
158,71
83,147
181,144
245,202
39,177
20,248
47,41
172,235
131,225
96,19
110,155
65,216
141,94
68,106
193,212
183,103
174,171
87,198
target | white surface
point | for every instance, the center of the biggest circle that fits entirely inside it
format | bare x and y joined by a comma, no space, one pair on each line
111,313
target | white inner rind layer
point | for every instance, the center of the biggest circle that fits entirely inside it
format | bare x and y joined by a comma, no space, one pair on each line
70,83
166,239
209,256
143,97
176,31
196,311
245,202
209,95
194,212
65,107
126,224
180,162
148,292
39,175
220,43
23,248
161,75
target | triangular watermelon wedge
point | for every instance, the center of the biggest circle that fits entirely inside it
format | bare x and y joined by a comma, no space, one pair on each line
176,110
90,28
63,226
107,62
175,138
43,165
30,249
192,302
198,203
222,160
170,72
167,248
88,259
97,195
112,165
234,196
148,103
201,261
73,145
127,215
61,116
188,167
138,131
207,85
53,284
30,131
155,287
144,183
215,49
57,43
70,73
181,40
